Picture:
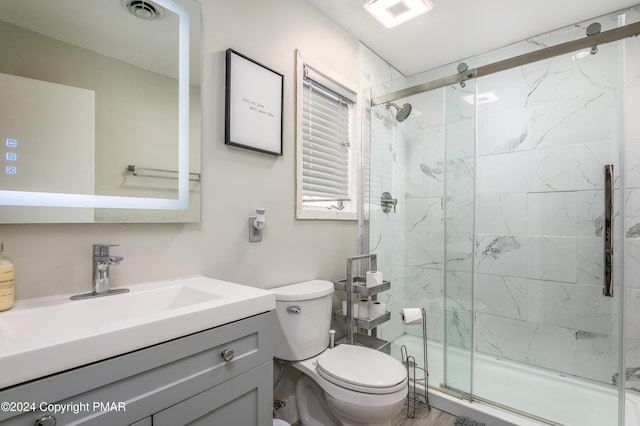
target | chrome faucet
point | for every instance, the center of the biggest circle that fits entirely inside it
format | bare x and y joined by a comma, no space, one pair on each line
101,262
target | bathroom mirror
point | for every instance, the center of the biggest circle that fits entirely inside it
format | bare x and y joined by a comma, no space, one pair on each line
100,111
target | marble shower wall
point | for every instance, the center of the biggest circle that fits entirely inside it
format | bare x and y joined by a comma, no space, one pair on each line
406,159
424,213
540,148
632,213
384,168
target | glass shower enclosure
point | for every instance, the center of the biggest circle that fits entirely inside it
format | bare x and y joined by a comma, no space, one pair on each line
511,187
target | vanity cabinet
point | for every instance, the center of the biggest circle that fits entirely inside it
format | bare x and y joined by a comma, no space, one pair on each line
218,376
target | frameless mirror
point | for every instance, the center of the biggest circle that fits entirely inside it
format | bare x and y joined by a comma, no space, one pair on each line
100,111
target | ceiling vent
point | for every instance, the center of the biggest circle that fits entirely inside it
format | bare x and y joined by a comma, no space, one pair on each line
144,9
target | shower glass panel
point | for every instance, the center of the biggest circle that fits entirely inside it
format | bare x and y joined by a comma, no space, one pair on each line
631,224
545,131
458,201
407,159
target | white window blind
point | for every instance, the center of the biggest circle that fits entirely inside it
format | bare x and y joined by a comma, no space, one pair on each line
327,128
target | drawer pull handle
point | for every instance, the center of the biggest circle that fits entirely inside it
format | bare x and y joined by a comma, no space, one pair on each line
228,354
46,421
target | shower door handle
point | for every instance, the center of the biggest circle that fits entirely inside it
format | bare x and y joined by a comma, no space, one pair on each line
607,232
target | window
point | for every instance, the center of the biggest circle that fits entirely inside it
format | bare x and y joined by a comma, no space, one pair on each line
326,146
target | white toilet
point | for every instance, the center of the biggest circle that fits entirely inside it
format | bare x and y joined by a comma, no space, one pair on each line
347,385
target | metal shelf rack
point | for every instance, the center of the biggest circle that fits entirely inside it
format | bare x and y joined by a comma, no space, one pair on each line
355,284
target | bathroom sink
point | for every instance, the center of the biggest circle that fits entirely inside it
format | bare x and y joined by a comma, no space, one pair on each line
48,335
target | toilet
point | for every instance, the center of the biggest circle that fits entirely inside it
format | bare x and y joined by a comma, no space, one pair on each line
348,385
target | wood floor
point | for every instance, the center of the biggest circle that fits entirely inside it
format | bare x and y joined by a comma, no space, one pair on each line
425,417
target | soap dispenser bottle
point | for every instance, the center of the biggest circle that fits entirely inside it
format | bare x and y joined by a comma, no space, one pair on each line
7,281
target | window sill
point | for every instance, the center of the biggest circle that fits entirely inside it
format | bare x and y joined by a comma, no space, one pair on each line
326,215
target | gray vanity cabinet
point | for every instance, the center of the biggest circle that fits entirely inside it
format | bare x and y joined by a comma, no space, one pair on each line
220,376
234,402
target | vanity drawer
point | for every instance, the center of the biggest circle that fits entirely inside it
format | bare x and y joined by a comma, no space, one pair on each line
239,401
130,387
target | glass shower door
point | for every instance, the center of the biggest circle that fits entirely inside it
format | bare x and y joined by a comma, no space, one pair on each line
459,187
545,133
500,227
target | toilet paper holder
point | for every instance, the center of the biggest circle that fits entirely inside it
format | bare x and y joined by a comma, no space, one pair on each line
414,399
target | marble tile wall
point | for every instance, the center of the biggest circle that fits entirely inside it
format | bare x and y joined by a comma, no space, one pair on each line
528,231
384,171
537,249
424,214
632,212
539,216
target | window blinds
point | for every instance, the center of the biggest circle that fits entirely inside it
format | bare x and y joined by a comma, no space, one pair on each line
326,147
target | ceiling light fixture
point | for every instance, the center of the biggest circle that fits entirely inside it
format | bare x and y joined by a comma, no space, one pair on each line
393,12
481,98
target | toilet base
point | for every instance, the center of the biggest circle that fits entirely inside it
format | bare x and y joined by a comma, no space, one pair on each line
312,405
351,415
317,407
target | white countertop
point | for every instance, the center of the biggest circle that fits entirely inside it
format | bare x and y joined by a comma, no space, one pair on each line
47,335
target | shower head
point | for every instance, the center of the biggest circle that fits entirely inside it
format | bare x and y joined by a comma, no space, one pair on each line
403,111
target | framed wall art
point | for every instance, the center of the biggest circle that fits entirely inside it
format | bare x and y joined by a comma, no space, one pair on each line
253,101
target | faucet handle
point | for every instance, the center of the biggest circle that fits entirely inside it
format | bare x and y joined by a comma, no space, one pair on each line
102,249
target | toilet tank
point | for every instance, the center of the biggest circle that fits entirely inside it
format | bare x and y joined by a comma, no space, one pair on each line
303,313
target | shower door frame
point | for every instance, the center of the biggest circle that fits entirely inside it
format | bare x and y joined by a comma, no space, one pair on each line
616,34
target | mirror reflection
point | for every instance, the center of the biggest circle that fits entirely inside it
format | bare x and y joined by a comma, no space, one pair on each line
89,116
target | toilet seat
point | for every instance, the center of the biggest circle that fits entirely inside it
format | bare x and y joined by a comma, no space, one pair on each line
361,369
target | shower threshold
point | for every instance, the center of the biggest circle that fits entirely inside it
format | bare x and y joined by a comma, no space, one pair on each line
544,394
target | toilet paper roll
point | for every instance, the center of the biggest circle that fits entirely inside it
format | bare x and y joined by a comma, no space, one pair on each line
411,316
373,278
376,309
363,309
355,308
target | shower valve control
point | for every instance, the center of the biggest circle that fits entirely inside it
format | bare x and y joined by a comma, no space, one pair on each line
387,202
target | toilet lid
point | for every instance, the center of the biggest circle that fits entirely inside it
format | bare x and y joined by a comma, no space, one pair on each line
303,291
362,369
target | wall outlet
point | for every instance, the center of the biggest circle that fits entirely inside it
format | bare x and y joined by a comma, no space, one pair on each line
255,234
289,412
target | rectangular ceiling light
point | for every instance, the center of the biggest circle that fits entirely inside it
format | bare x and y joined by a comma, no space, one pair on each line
481,98
393,12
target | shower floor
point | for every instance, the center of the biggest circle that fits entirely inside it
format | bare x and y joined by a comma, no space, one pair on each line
547,395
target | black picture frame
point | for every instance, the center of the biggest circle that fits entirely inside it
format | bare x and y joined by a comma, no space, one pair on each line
253,105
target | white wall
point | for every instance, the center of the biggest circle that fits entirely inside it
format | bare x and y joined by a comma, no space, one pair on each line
53,259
